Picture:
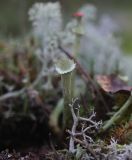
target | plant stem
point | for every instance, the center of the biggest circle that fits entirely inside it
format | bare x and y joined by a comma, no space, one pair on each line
118,115
54,117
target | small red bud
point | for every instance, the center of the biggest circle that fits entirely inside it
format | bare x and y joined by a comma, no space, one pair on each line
78,14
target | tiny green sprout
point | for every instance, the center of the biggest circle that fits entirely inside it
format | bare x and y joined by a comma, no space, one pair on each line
65,68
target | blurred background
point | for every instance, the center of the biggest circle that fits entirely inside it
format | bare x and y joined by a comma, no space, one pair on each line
14,16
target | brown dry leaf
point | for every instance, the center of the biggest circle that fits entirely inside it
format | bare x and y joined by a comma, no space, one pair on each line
112,83
117,92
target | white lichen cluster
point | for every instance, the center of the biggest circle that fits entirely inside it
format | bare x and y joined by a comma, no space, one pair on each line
47,24
101,50
98,45
46,20
118,152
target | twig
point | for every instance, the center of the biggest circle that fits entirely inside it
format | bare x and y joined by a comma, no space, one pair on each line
38,78
56,156
86,146
75,124
12,94
86,77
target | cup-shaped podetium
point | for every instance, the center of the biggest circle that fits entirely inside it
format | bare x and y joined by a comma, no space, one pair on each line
65,68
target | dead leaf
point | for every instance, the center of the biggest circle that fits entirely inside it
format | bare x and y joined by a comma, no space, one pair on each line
112,83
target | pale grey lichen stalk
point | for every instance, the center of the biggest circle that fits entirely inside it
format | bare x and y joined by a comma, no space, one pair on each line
65,68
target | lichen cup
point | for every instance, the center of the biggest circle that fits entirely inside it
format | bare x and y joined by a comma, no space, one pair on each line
65,68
